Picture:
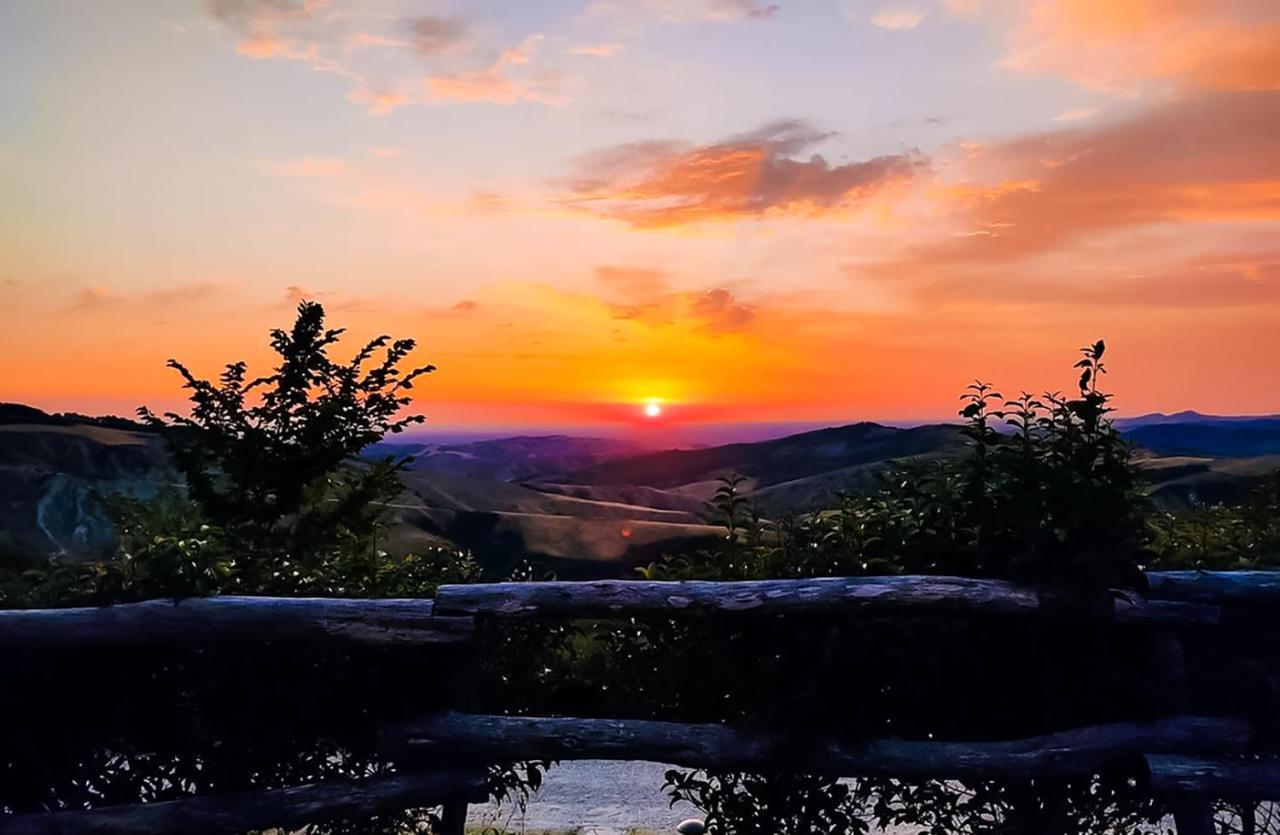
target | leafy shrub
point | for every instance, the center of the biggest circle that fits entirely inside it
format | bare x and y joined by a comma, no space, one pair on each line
1054,500
274,503
1047,494
267,461
1218,536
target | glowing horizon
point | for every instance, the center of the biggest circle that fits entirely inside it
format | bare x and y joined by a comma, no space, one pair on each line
742,211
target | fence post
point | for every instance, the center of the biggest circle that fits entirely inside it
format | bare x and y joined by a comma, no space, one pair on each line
1192,815
453,818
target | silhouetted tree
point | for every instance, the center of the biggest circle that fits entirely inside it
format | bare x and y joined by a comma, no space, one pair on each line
270,460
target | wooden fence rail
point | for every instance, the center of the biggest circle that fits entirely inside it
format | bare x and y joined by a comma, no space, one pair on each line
821,595
1077,752
1222,587
1174,599
244,811
1238,779
1185,755
196,620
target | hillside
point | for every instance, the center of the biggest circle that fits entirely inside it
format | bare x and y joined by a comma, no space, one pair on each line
1178,481
591,505
52,475
1235,439
774,462
509,459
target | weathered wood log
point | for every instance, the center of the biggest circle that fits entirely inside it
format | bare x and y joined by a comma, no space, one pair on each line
257,810
470,738
1248,587
200,619
825,594
1218,778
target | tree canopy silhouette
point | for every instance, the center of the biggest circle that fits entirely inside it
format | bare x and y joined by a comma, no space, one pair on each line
269,460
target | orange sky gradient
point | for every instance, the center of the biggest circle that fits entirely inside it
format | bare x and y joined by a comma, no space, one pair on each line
719,205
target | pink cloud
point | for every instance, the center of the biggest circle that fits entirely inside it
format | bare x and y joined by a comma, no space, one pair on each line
1112,45
603,50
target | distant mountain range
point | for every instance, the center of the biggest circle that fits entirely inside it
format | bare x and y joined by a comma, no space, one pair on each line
1192,417
594,505
1193,433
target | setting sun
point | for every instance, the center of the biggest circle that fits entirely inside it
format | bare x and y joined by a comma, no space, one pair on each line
652,410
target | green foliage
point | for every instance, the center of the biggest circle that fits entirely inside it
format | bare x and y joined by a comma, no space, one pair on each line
267,460
1047,494
1243,536
750,804
1054,501
274,503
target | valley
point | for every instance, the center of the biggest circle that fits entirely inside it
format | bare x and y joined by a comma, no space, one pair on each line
588,507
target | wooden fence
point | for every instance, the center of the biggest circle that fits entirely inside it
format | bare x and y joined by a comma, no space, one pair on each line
1192,758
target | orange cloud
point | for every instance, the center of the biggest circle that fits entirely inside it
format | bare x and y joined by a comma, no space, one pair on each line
464,67
1243,280
640,295
1208,158
261,45
604,50
496,84
1110,44
632,284
657,184
378,102
259,23
720,312
897,19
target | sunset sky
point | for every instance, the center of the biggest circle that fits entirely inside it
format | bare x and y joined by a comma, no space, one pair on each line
743,210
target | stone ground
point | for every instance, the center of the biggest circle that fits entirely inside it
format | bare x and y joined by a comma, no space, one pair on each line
594,797
591,798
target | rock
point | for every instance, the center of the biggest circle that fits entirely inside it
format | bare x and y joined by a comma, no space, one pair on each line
692,826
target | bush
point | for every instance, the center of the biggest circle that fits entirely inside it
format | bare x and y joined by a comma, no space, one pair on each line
1054,500
274,502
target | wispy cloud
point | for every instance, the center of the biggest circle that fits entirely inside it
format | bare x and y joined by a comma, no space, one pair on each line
687,11
456,60
500,82
95,298
1076,114
1204,159
431,35
897,19
657,184
379,102
1121,46
602,50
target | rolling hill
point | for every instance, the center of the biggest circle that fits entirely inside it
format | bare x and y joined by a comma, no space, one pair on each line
591,505
790,473
1237,439
52,476
509,459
